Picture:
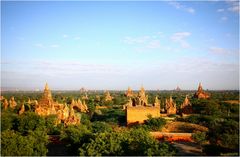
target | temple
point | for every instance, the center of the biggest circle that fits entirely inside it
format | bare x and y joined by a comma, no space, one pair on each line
108,97
22,110
138,110
46,106
170,106
200,94
12,103
129,93
186,106
178,89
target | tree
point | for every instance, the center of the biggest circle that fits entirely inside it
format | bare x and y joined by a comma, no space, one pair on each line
30,121
199,137
8,120
101,127
15,144
75,136
134,142
155,124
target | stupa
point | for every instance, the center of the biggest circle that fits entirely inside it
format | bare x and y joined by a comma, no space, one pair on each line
156,102
170,106
129,92
12,103
200,94
46,106
108,97
186,106
5,104
22,110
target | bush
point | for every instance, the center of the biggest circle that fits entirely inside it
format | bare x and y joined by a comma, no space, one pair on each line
155,124
50,123
75,136
100,127
8,120
133,142
15,144
199,137
30,121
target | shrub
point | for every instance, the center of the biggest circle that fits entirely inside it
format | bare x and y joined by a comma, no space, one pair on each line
30,121
8,120
155,124
133,142
101,127
15,144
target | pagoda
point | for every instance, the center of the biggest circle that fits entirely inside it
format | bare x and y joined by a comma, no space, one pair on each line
129,92
170,106
186,106
108,97
200,94
46,106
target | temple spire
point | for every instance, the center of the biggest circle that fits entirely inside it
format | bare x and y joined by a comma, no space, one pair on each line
200,87
46,87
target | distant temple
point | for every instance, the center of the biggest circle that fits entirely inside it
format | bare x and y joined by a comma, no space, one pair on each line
138,110
200,94
46,106
108,97
170,106
186,106
178,89
129,93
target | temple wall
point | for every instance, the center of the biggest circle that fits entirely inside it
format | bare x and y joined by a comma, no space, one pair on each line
138,114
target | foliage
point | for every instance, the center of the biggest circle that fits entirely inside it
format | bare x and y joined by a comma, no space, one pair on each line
30,121
15,144
75,136
225,134
98,126
155,124
133,142
91,106
199,137
110,116
50,123
85,120
8,120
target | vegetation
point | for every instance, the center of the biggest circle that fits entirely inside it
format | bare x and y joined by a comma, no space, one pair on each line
133,142
155,124
23,135
104,132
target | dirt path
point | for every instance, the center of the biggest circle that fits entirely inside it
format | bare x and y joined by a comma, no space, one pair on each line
188,149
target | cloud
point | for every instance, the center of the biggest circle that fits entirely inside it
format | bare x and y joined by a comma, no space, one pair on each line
65,36
179,6
234,6
136,40
180,37
219,51
39,45
224,18
153,44
220,10
54,46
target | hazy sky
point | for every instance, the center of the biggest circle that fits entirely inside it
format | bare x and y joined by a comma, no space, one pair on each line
113,45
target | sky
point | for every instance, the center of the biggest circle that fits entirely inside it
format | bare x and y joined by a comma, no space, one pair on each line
113,45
